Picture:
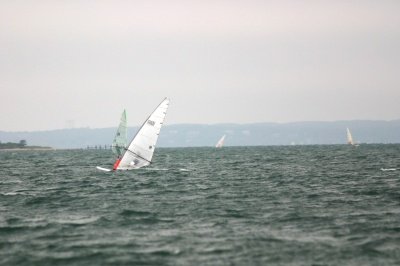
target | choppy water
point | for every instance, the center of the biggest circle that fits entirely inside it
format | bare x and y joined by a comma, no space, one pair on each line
301,205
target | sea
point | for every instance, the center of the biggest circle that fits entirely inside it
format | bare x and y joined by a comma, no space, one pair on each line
271,205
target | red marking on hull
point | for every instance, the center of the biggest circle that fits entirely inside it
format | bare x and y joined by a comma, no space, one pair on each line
116,164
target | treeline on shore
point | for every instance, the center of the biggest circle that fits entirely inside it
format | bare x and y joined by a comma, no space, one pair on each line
22,144
12,145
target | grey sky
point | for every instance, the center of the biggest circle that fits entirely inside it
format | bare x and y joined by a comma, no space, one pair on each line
79,63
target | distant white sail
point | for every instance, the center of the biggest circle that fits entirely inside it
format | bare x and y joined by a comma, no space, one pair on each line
120,140
220,142
349,137
140,151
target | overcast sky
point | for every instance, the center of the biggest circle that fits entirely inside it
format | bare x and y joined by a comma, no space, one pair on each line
80,63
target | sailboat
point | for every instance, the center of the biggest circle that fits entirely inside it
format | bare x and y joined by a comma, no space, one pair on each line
220,142
120,140
140,150
350,140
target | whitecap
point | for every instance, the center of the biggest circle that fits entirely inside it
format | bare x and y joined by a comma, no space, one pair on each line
388,169
76,219
157,169
11,181
10,193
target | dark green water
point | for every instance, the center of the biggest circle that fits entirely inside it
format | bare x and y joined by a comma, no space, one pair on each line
300,205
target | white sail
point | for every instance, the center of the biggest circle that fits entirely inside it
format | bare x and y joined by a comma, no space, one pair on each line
120,140
349,137
140,151
220,142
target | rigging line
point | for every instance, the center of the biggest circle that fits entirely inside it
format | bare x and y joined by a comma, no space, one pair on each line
134,153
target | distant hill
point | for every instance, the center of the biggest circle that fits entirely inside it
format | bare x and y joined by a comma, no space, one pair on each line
187,135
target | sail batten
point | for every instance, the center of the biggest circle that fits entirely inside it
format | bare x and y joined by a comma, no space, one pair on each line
137,155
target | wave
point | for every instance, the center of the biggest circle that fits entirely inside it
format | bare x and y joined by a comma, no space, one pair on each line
127,212
75,219
388,169
166,169
157,169
11,193
11,181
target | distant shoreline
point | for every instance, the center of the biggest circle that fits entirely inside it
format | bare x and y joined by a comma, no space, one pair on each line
194,135
28,149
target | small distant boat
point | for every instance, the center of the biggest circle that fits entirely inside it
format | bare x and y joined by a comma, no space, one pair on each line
140,151
220,142
350,140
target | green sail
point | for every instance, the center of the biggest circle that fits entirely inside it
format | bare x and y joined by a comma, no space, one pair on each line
120,140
